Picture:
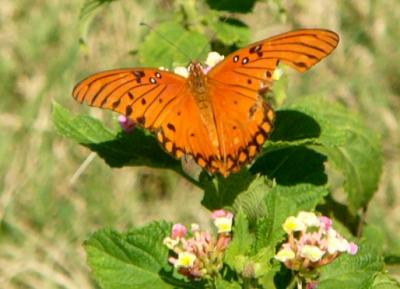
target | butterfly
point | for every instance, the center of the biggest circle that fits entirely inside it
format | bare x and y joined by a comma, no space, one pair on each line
219,117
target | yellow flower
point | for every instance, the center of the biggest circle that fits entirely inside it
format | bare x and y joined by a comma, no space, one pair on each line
293,224
223,224
185,260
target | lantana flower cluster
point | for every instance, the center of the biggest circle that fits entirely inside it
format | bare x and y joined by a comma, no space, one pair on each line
312,242
197,254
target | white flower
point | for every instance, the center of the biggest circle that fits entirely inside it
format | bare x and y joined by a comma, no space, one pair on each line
277,74
285,254
337,244
313,253
293,224
194,227
182,71
213,58
185,260
163,68
309,219
170,243
223,224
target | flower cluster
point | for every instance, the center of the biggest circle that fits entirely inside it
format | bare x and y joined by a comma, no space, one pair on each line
312,242
196,253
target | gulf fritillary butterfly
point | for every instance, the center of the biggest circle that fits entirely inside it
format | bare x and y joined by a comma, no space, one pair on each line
219,117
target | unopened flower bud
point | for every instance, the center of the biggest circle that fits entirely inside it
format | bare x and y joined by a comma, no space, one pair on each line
352,249
178,230
126,123
326,222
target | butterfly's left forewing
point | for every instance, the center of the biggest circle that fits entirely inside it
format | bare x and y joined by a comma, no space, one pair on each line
158,100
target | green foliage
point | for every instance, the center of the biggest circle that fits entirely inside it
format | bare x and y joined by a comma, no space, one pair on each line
241,6
187,45
353,271
230,31
384,281
136,259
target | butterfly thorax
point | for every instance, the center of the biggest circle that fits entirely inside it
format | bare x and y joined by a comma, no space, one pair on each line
197,81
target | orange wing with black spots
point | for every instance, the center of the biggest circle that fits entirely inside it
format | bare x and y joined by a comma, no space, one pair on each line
158,100
243,119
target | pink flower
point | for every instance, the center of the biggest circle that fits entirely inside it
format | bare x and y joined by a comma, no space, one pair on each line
126,123
221,214
327,222
352,249
178,230
312,285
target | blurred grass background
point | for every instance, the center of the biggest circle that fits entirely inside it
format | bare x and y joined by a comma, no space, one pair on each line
47,209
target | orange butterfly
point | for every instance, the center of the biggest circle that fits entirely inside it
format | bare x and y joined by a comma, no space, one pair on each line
218,117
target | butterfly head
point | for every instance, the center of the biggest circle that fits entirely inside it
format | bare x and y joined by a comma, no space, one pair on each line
196,69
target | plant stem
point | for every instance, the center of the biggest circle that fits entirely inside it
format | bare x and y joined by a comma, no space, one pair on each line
292,284
361,222
180,171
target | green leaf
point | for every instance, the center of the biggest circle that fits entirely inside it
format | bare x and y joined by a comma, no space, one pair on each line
241,6
220,192
186,45
240,244
89,10
356,272
231,31
138,148
350,146
282,202
223,284
137,259
292,165
251,202
383,281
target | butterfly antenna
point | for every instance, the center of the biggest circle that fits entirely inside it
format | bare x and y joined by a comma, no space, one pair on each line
212,36
166,39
